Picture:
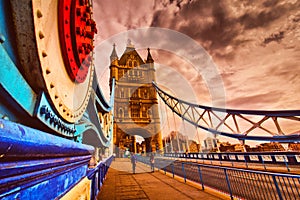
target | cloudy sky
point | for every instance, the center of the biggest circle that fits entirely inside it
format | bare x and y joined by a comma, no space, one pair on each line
254,45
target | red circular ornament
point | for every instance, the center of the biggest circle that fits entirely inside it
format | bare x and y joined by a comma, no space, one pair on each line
76,33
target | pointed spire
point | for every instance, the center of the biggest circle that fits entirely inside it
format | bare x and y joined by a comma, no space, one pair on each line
113,55
129,47
149,57
129,44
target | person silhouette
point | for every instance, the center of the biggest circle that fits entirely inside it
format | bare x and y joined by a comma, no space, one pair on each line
152,160
133,161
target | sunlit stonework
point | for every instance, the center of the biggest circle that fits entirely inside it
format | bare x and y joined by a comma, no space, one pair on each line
136,108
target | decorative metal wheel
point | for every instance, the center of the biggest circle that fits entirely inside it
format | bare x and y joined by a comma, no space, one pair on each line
57,43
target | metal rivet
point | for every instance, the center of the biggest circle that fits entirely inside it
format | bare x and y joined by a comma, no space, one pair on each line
41,35
39,14
2,38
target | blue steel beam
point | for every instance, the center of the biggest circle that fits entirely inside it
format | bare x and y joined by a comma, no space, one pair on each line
38,165
194,114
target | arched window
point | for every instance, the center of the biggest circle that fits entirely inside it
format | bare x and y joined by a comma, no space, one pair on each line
130,63
121,113
146,94
122,93
144,112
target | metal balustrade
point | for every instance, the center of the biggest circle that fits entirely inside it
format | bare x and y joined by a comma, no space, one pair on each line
265,159
97,176
239,183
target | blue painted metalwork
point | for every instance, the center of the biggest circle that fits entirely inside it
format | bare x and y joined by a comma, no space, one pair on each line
46,115
38,165
97,175
228,183
239,183
34,162
15,85
172,170
277,188
200,177
20,103
184,174
194,114
6,36
279,157
21,94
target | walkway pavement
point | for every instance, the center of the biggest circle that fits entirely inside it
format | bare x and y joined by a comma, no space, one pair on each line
122,184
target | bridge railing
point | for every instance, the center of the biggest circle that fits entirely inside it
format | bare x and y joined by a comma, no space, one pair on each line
239,183
286,159
97,176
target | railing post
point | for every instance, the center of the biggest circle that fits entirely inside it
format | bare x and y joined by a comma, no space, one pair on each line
286,164
246,161
92,197
172,169
228,183
200,175
277,187
263,162
99,176
184,175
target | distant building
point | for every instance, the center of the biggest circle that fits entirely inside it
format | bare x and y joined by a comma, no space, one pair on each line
194,147
272,146
294,146
227,147
175,142
210,144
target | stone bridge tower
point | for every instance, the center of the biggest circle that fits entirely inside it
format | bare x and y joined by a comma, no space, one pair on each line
136,104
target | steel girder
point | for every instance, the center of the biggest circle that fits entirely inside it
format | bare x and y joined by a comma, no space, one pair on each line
281,126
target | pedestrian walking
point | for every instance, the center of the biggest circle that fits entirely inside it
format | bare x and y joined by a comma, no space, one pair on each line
152,160
133,161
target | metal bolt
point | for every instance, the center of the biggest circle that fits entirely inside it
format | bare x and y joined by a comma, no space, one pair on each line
78,11
2,38
89,34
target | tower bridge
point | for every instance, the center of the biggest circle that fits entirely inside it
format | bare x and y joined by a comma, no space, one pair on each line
58,134
136,109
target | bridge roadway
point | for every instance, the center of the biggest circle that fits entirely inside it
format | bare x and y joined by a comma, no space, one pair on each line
121,183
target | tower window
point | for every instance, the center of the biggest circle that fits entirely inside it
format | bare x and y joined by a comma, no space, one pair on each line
144,112
146,96
135,112
121,113
122,93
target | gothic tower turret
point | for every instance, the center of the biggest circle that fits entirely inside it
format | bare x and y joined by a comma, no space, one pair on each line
136,108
